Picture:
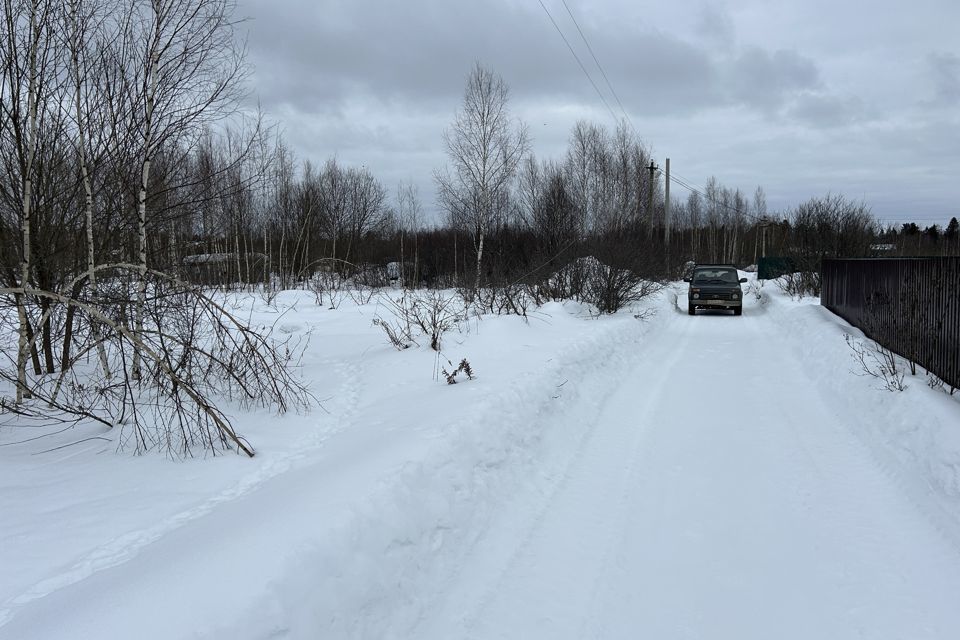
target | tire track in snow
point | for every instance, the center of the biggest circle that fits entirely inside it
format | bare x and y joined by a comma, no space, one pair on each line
588,503
594,624
601,364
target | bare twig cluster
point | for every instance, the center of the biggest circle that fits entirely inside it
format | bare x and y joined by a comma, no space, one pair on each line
800,283
194,356
464,368
877,361
428,313
396,334
511,299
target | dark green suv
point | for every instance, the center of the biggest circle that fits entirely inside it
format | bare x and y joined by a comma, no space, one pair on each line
714,286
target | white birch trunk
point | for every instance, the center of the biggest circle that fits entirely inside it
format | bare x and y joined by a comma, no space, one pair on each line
142,208
283,274
30,144
236,251
87,186
476,284
268,263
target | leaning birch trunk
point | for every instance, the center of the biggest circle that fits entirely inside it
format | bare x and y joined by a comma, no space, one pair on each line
142,208
31,142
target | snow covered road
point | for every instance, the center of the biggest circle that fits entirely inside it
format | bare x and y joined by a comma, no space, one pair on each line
715,496
712,477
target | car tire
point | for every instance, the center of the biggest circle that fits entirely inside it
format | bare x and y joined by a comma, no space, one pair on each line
691,310
737,311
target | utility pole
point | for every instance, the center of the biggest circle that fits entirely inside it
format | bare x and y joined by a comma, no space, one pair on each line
666,217
653,169
764,223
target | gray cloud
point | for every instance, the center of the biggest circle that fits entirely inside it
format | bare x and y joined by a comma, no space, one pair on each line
394,51
822,110
659,73
716,26
767,80
421,50
723,89
945,69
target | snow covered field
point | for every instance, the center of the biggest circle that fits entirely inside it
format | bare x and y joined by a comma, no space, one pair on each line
673,477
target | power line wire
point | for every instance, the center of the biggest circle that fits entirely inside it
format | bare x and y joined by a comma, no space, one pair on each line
597,62
627,117
577,58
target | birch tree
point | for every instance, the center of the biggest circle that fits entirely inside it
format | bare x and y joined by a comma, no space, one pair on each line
409,219
185,76
83,26
584,160
27,78
485,147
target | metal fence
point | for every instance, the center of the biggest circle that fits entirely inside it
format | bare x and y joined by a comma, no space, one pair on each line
909,305
772,267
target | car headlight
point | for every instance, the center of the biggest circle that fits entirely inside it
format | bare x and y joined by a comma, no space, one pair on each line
696,296
735,296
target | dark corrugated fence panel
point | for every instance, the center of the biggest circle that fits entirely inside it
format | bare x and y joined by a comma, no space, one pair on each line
910,305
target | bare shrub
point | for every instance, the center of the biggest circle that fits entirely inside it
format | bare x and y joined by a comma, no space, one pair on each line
399,326
610,289
395,332
935,382
514,299
361,294
268,292
194,354
606,287
800,283
329,285
877,361
569,281
432,312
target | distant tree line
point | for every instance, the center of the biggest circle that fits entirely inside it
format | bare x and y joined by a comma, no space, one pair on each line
909,239
149,165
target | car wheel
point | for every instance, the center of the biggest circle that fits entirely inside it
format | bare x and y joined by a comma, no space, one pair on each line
737,311
692,310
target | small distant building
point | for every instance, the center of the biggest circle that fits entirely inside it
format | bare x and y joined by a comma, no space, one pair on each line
222,268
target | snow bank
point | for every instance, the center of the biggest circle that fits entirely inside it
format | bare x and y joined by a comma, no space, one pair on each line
913,434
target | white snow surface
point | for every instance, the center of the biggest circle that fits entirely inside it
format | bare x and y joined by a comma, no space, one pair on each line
660,477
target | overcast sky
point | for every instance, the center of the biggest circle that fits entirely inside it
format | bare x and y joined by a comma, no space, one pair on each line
802,97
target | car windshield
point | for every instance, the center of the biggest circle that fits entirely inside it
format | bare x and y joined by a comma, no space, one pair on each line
715,276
